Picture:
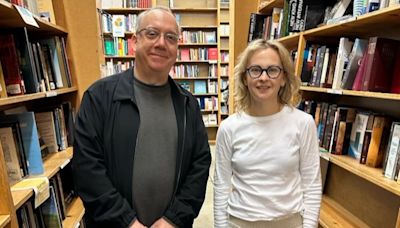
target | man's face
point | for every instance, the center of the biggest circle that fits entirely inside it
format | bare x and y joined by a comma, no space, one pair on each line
156,42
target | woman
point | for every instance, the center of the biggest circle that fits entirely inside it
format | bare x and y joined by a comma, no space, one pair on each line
267,170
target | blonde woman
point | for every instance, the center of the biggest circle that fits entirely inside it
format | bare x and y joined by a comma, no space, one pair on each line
267,170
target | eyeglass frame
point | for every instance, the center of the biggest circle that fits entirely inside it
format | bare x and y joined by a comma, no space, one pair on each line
165,35
266,71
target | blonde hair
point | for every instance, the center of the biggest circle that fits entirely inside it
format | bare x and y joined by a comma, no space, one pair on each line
288,94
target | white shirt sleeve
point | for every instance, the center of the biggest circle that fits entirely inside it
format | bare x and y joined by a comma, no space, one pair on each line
310,174
222,176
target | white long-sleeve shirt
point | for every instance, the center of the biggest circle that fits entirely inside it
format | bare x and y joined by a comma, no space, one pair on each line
267,167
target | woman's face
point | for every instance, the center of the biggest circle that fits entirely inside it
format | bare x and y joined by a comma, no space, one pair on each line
264,88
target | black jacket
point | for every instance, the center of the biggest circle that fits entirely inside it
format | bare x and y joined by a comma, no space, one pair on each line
105,138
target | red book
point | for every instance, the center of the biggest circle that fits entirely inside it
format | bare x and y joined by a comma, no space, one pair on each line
10,64
212,54
379,65
357,84
396,74
185,54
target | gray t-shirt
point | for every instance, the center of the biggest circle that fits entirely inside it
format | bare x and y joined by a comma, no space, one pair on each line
155,153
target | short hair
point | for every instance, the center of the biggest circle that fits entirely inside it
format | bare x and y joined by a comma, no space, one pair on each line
160,8
288,94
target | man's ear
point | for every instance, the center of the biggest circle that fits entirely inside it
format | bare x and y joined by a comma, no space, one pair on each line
134,38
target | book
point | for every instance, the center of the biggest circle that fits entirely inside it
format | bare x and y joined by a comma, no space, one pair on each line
51,215
395,85
342,60
357,135
355,57
11,155
46,10
377,146
10,65
393,152
200,87
30,140
379,64
27,62
256,26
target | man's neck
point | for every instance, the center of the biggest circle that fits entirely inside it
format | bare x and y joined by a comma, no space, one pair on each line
153,78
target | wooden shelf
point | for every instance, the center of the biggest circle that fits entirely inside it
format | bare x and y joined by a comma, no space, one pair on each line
198,27
194,10
20,197
196,78
197,44
376,95
267,7
208,110
10,18
334,215
74,214
369,24
123,10
4,220
119,57
211,126
370,174
211,142
52,164
205,94
195,61
291,41
35,96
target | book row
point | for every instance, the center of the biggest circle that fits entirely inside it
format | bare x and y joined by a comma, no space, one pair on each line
56,196
363,65
200,86
118,46
193,71
300,15
369,137
196,54
108,4
30,65
28,137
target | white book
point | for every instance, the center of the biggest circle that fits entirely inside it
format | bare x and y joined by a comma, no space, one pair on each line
392,152
357,135
344,50
46,127
10,152
325,67
118,26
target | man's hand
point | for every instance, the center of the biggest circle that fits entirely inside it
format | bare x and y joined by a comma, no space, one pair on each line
161,223
137,224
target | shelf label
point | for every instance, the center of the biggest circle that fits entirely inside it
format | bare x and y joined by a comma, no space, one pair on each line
335,91
51,94
40,185
26,15
65,163
212,61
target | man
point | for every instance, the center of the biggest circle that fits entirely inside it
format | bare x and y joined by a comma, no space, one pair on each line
141,153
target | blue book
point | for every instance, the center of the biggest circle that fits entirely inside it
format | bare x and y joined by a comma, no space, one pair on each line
200,87
30,140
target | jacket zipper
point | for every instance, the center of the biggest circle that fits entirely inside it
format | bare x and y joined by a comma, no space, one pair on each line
181,157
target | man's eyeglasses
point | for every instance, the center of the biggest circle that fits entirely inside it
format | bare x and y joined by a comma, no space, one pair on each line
154,34
255,72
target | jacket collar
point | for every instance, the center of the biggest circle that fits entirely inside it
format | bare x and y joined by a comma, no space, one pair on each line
124,88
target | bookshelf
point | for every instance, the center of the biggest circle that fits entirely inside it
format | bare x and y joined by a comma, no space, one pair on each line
83,64
355,195
198,19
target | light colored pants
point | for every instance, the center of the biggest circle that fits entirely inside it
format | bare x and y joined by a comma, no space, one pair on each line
291,221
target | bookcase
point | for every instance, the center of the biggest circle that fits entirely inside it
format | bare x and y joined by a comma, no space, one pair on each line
74,23
355,195
198,66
